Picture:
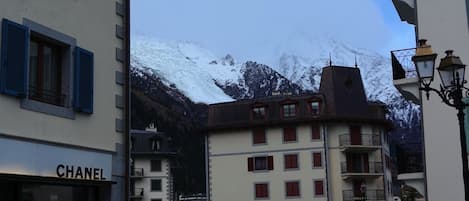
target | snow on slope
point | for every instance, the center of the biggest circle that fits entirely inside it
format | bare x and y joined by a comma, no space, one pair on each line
185,65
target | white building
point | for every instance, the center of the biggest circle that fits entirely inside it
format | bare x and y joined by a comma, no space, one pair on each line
63,100
445,25
151,177
326,146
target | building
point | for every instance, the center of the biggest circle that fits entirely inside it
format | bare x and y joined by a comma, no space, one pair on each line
326,146
152,159
63,100
445,25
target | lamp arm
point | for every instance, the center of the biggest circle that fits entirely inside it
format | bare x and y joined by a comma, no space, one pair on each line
443,94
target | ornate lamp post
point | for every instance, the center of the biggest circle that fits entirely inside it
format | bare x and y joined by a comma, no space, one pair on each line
451,72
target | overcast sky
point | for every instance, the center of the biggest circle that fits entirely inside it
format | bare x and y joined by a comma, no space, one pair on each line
249,28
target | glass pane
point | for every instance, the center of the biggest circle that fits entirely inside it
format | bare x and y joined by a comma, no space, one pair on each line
33,60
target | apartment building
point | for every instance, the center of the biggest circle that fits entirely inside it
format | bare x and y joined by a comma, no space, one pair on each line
326,146
63,100
152,159
445,25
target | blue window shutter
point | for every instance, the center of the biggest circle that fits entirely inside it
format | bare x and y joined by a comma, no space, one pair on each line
14,58
83,81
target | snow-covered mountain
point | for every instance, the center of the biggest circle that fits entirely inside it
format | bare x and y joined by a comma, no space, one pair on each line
206,78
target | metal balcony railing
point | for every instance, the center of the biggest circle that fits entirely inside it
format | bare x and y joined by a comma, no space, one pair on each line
137,192
402,65
137,172
369,195
371,168
364,140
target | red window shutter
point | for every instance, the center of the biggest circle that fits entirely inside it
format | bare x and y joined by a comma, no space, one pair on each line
317,160
270,162
318,187
293,189
259,136
250,164
315,133
289,134
261,191
291,161
355,135
366,163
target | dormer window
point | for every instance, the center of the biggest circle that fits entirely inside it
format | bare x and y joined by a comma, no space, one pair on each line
314,106
258,113
289,110
155,145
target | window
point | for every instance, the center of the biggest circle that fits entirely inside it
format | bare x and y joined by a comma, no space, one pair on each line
317,159
319,188
314,106
259,136
315,132
155,165
260,163
42,63
155,145
289,110
45,71
258,113
157,199
292,188
156,185
291,161
261,190
289,134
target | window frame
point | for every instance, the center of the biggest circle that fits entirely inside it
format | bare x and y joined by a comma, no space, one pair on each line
255,191
152,169
256,106
310,107
321,157
70,43
286,189
267,163
151,185
295,113
286,162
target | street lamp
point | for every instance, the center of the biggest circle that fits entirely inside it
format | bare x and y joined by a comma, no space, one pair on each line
451,72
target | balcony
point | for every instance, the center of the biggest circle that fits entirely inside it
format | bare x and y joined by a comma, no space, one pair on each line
365,142
136,173
136,193
405,75
370,195
354,170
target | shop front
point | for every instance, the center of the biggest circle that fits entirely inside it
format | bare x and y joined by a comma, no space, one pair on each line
38,171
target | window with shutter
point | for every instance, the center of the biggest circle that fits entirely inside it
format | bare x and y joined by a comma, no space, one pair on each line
317,159
291,161
292,188
315,132
261,190
289,134
259,136
260,163
83,87
319,188
14,58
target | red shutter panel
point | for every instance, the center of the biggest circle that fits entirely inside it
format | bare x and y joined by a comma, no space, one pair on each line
250,164
289,134
317,160
355,135
366,163
270,162
259,136
318,187
349,162
316,134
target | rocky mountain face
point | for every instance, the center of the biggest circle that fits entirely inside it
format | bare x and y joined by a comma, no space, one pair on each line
173,82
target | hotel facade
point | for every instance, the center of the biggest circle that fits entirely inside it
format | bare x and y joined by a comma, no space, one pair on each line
326,146
63,100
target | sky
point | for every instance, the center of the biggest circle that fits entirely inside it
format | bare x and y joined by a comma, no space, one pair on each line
255,29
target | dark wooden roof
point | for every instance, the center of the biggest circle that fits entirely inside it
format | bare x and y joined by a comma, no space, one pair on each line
341,95
142,143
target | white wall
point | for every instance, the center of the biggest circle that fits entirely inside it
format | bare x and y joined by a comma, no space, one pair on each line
145,182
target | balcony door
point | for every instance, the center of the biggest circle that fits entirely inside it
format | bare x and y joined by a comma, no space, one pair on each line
355,135
357,163
357,187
